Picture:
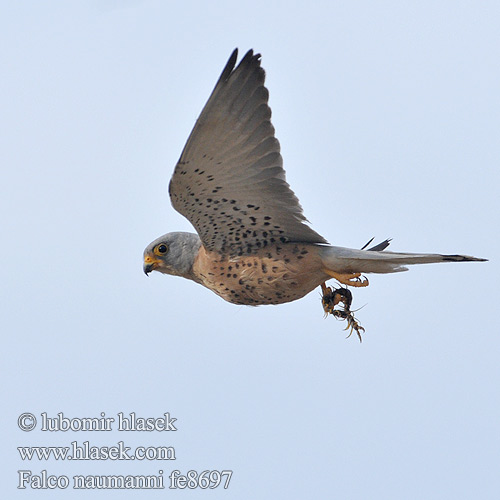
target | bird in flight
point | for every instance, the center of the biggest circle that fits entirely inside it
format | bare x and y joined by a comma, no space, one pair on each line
253,245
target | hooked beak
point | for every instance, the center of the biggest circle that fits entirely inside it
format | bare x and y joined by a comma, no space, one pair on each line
150,264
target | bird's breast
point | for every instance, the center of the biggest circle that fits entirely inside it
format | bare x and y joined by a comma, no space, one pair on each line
273,275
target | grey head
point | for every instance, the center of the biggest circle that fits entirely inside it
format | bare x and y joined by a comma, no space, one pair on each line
172,253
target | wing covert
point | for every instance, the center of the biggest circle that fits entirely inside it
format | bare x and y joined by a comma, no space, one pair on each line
229,181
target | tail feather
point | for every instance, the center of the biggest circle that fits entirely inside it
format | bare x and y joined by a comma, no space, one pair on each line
348,260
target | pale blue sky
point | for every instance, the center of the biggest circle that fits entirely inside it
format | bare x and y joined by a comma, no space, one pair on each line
388,117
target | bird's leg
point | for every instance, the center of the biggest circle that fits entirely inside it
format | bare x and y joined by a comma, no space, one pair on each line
352,279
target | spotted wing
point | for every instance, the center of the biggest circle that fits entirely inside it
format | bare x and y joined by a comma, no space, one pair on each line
229,181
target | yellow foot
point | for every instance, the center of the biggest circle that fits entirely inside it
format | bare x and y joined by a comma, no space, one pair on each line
353,279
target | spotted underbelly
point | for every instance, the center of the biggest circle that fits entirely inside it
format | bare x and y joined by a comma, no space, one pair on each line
276,276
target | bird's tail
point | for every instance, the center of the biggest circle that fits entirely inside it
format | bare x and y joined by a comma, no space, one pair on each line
348,260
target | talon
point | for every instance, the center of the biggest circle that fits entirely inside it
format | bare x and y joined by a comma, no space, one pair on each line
358,331
353,279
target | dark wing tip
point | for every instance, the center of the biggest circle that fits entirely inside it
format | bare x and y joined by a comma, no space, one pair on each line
368,242
379,247
228,68
249,59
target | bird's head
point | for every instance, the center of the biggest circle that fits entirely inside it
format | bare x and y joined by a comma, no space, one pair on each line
173,253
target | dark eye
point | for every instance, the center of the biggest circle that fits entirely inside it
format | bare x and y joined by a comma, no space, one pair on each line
162,249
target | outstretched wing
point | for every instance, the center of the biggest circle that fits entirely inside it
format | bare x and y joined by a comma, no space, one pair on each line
229,182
